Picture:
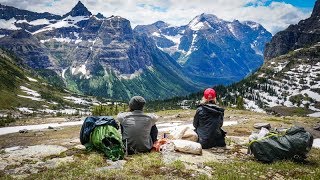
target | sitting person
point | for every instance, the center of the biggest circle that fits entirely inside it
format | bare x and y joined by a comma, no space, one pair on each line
139,131
208,121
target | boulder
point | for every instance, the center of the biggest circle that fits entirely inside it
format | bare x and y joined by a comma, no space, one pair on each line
261,125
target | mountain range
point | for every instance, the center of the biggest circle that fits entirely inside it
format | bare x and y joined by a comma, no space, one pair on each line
100,56
212,50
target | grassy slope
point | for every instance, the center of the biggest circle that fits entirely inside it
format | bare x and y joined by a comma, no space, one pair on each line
12,76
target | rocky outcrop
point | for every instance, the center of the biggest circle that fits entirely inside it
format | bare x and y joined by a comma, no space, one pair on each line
305,33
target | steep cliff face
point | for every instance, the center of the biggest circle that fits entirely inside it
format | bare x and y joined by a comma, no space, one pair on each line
305,33
28,48
212,50
100,56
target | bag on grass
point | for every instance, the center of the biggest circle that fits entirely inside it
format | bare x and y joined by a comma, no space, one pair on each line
294,144
187,146
101,133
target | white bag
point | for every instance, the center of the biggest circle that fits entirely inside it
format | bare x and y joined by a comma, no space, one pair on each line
185,133
187,146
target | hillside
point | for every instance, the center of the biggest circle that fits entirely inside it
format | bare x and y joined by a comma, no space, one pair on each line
24,92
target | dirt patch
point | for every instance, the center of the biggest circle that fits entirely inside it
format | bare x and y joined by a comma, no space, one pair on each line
46,136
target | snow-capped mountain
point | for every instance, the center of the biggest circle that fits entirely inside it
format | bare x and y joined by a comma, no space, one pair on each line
214,51
100,56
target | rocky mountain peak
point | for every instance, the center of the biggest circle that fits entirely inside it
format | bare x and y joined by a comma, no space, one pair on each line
204,21
316,9
79,10
100,16
252,25
160,24
208,17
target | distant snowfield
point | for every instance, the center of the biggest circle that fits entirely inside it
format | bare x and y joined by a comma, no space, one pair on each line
33,95
76,100
15,129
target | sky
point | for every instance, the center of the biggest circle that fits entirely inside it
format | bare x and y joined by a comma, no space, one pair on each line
273,15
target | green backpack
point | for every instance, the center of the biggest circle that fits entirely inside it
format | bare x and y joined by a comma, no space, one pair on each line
107,139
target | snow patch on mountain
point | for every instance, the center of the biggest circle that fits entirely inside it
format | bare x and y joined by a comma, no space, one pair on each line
8,24
192,47
136,74
76,100
30,91
31,79
63,73
81,69
156,34
175,39
232,30
251,105
69,21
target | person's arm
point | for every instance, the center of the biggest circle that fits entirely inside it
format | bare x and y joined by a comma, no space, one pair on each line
196,119
154,118
120,117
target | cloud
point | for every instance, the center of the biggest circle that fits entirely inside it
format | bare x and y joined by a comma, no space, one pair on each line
274,16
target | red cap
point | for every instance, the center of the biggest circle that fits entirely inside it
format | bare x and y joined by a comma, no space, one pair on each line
209,94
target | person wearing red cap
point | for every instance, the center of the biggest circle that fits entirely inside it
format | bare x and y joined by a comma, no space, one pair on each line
208,121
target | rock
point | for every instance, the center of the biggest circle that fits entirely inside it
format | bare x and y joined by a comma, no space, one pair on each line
37,151
80,146
55,162
261,125
23,131
317,127
262,177
54,128
39,133
113,165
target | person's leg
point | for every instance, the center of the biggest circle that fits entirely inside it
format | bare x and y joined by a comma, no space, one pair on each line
154,133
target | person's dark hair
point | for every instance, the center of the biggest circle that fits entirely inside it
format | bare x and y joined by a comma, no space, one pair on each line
136,103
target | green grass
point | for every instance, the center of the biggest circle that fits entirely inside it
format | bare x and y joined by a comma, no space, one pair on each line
250,169
151,166
143,166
